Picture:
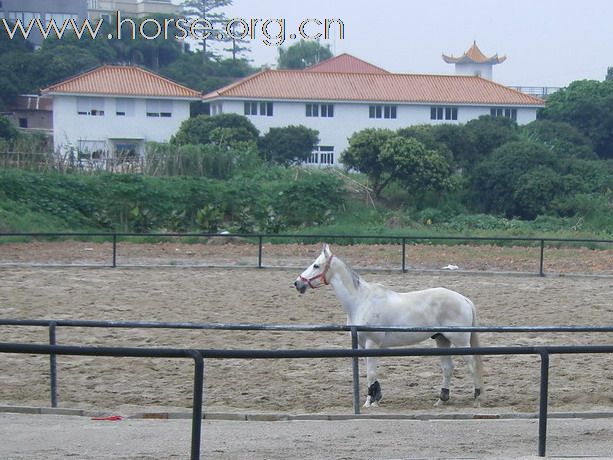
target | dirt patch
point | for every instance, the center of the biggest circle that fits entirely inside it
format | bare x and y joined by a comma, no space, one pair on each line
564,259
238,295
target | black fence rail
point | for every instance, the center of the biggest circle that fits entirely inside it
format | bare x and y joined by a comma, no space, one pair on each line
258,240
53,325
199,355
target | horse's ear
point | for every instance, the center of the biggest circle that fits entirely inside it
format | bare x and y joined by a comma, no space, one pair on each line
326,250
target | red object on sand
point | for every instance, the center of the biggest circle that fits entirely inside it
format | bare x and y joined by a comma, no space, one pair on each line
111,418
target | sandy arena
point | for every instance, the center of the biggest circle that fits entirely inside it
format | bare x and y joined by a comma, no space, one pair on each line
247,295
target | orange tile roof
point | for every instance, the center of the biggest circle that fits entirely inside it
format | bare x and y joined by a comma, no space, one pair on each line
474,54
122,81
372,87
345,63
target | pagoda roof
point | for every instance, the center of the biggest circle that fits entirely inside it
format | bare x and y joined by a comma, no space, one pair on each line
474,56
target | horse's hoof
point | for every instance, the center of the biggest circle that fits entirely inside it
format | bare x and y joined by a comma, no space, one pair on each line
440,402
476,403
368,402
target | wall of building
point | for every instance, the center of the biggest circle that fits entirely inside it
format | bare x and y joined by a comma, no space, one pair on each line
472,69
351,117
107,9
71,128
59,10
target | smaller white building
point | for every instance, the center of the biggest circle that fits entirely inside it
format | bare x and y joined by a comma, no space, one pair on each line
112,111
474,62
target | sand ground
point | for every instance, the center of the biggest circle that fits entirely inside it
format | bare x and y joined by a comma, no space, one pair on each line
246,295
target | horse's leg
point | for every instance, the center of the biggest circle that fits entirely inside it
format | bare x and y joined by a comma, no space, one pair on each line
473,363
447,366
374,389
476,369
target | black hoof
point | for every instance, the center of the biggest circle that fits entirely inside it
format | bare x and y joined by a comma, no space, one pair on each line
477,393
374,391
444,394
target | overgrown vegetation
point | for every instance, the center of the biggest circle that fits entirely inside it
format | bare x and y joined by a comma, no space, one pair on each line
273,199
542,178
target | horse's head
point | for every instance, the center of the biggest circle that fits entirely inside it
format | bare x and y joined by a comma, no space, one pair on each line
315,274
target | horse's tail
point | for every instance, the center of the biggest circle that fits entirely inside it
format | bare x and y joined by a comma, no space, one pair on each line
474,343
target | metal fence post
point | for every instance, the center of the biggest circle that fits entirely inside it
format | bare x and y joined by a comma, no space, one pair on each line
197,403
260,251
542,447
404,251
114,250
356,371
541,273
53,364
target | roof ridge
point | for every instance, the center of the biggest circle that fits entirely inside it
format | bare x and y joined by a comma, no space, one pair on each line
328,61
239,82
433,88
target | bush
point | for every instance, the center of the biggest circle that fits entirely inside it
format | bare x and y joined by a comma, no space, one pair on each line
288,145
226,129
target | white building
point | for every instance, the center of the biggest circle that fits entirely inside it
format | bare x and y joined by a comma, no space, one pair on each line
107,9
113,111
344,94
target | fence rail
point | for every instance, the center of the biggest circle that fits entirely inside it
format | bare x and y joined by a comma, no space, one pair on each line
52,349
199,355
115,238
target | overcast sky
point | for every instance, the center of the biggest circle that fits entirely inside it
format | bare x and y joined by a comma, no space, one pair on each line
547,42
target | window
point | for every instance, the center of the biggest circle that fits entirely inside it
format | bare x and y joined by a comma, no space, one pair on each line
90,106
124,107
506,112
92,150
23,122
159,108
60,18
251,108
320,110
382,111
443,113
258,108
266,108
216,108
126,149
322,155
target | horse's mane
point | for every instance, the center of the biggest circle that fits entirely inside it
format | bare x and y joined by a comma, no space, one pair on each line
354,276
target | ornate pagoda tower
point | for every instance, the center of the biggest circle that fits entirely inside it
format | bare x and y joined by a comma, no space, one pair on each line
474,62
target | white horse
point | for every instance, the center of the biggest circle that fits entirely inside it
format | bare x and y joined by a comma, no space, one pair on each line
370,304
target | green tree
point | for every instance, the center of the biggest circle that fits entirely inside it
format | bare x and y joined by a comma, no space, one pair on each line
459,141
585,104
16,56
208,10
417,169
497,179
289,144
154,52
364,155
302,54
7,131
486,134
222,129
561,137
535,190
61,62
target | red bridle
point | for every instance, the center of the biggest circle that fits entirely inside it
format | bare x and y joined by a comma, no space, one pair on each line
322,275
